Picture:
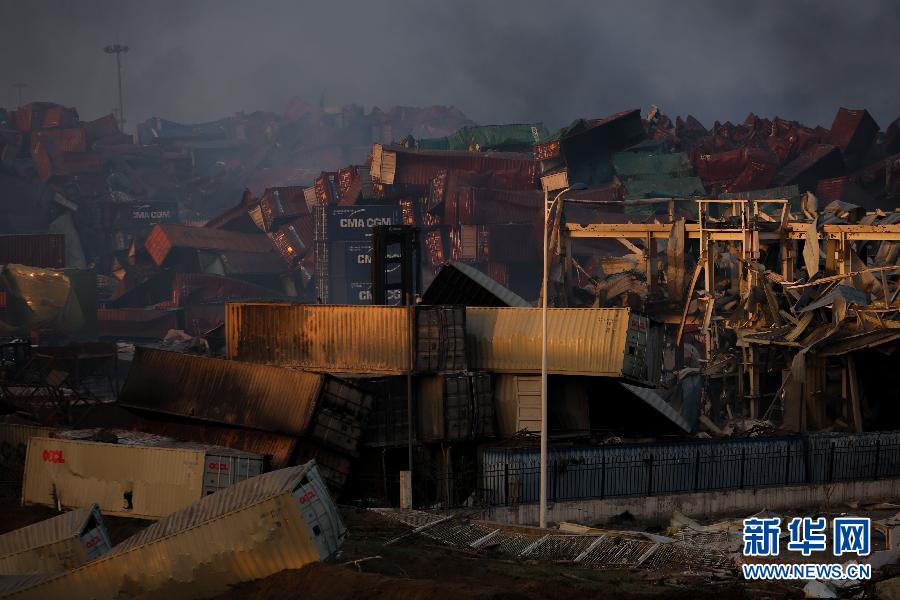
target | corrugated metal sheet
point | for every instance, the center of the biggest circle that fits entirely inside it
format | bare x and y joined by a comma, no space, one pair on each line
127,480
581,341
63,140
57,544
43,250
281,520
225,391
167,236
349,339
518,403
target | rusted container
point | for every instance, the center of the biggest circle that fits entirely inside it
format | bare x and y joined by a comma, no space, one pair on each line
167,237
853,131
398,165
43,250
63,140
288,401
282,204
330,338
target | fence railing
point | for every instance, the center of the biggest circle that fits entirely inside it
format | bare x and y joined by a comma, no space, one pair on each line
688,468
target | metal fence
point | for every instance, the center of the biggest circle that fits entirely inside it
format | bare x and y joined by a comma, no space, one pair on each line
509,476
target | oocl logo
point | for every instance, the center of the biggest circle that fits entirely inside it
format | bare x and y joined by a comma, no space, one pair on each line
53,456
306,497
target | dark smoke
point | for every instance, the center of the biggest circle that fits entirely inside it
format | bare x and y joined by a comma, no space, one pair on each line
499,61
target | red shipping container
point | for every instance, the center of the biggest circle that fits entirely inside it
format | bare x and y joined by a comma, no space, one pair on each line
42,250
853,131
56,141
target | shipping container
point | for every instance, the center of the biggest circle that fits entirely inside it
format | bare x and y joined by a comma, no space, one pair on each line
440,339
13,446
248,395
853,131
315,337
609,342
133,216
445,409
55,545
282,204
281,520
330,338
389,421
355,223
62,140
483,400
130,480
402,166
518,403
43,250
166,238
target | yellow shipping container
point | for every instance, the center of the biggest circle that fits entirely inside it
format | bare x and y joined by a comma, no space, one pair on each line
610,342
328,338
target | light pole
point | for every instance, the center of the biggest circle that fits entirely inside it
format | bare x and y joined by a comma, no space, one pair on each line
118,50
20,87
548,208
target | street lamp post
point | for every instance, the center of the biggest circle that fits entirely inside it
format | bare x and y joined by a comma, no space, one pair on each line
548,208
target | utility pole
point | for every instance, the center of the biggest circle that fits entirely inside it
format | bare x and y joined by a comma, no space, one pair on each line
118,50
20,87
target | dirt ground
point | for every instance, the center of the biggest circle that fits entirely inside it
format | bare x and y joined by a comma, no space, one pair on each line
418,568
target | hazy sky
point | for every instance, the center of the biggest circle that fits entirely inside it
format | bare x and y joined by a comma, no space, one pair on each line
499,61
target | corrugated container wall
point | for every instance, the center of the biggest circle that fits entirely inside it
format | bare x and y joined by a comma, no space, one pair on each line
146,482
349,339
44,250
55,545
281,520
14,445
581,341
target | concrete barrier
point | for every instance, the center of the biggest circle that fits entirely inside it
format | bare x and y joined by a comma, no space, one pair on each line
702,504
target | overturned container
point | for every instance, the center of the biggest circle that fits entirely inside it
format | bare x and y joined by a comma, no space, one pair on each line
281,520
55,545
133,479
330,410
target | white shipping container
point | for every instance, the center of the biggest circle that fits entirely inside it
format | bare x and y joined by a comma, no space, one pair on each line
130,480
55,545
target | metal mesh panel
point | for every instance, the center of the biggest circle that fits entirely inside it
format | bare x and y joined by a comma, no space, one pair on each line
690,551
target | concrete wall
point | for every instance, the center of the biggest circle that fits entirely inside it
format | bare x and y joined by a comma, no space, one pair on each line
702,504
